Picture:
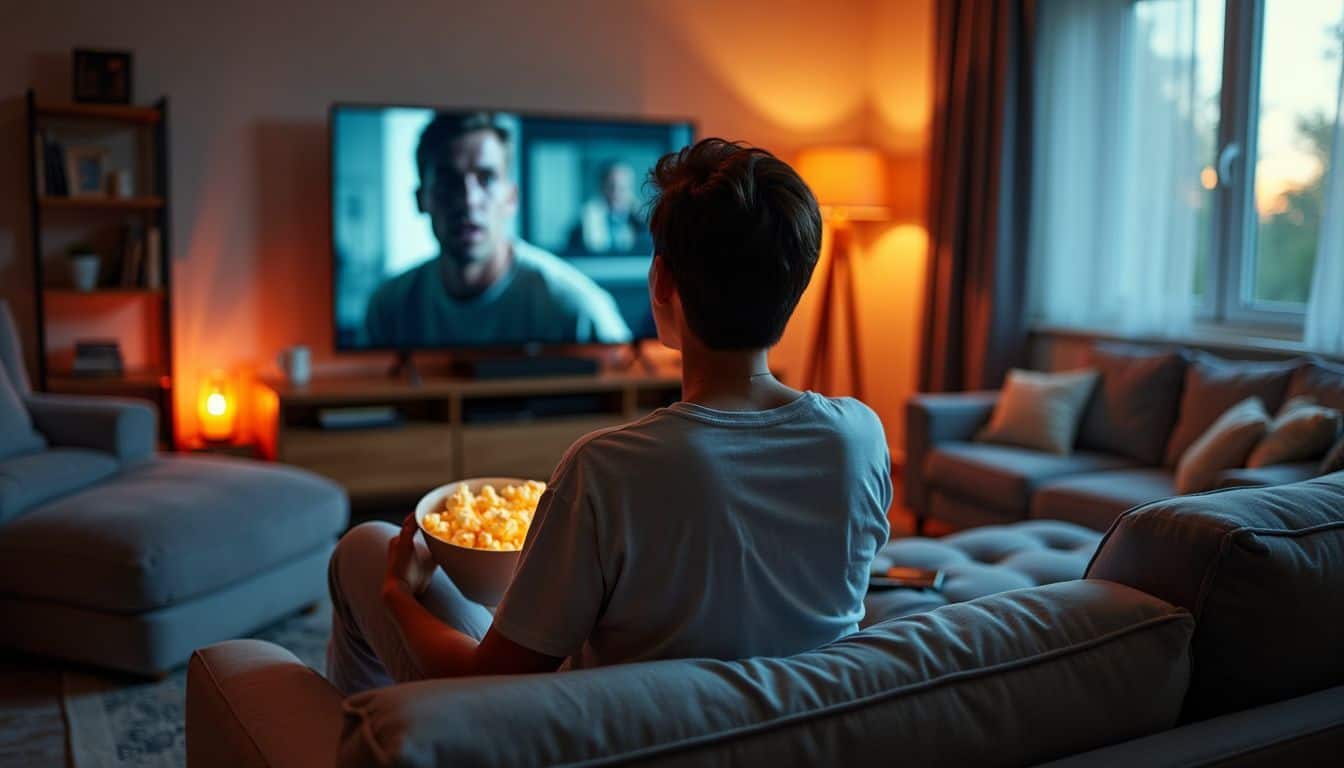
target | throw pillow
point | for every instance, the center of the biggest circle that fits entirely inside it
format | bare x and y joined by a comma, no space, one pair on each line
1040,410
1334,460
16,426
1134,406
1223,446
1302,431
1321,380
1213,385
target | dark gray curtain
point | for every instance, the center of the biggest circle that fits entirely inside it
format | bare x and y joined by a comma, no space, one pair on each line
974,324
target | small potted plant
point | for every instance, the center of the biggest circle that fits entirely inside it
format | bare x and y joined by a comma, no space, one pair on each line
84,266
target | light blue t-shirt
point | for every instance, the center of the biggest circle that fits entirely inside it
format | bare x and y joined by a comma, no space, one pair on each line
542,298
703,533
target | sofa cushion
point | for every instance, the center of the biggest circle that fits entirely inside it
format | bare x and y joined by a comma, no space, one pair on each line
1225,445
17,435
1302,430
33,478
1213,385
1262,569
1037,674
167,531
1321,380
1275,474
1040,410
1096,499
980,562
1134,407
1004,477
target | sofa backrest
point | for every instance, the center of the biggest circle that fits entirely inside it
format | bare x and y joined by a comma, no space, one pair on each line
1014,678
1261,569
17,435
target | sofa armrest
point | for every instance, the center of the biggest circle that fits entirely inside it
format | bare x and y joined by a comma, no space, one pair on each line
931,419
253,703
124,428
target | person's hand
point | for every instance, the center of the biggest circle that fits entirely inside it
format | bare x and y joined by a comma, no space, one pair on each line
409,564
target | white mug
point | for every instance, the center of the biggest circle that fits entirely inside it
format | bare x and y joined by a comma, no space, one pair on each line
297,363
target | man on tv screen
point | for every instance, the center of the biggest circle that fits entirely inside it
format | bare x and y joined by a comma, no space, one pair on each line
485,286
610,222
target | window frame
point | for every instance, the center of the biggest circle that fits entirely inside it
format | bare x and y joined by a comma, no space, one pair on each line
1233,250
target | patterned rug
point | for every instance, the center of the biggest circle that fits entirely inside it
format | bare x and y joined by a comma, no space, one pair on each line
115,721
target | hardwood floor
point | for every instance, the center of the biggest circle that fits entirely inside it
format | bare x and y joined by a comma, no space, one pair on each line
32,724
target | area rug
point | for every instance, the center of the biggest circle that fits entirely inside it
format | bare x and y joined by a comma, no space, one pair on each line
119,722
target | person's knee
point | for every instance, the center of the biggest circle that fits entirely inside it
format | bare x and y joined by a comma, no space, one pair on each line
365,542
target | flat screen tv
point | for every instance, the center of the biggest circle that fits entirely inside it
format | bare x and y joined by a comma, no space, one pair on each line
456,228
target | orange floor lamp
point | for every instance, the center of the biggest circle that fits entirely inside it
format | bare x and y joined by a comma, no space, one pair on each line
851,185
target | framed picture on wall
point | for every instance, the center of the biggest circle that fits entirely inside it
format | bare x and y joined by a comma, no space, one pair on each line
102,77
86,171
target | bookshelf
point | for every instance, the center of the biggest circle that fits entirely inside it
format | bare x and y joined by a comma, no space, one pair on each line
134,264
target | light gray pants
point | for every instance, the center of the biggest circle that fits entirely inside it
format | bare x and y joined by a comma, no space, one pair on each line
366,649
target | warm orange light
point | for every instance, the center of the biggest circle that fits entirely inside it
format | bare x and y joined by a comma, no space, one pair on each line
849,182
217,410
1208,177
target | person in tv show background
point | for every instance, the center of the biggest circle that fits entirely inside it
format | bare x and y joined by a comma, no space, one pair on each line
610,222
485,286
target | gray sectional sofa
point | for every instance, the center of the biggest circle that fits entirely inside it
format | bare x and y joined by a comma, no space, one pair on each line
1202,634
1150,404
114,555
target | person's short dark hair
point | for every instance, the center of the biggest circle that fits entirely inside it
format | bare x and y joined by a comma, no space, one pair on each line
741,233
447,126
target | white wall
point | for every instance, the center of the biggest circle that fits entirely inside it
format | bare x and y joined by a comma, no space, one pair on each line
249,84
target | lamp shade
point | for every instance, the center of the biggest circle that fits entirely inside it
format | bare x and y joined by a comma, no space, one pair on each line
216,408
850,182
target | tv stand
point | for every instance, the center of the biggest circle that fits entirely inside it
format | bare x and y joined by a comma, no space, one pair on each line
528,367
448,427
405,365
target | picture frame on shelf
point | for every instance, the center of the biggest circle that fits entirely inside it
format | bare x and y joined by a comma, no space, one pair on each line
86,171
101,77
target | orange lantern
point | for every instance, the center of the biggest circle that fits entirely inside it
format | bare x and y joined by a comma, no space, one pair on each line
217,408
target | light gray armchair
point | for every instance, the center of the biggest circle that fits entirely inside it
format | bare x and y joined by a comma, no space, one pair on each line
114,555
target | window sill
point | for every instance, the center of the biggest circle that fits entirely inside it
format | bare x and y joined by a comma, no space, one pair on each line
1260,342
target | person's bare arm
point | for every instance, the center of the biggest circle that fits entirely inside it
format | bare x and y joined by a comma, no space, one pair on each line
437,649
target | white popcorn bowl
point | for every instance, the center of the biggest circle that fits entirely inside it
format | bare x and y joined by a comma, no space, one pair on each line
481,574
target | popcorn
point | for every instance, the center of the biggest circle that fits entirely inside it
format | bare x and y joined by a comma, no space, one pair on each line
492,519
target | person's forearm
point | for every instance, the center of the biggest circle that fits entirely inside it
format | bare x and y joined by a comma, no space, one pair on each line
437,649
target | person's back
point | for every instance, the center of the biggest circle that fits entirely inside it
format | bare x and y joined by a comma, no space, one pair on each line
739,522
708,533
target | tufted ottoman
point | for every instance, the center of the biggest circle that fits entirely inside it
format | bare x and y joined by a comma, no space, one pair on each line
983,561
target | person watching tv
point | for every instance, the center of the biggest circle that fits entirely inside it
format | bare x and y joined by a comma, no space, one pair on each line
485,286
741,521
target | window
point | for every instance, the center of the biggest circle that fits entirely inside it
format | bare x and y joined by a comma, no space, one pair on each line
1293,126
1180,157
1272,101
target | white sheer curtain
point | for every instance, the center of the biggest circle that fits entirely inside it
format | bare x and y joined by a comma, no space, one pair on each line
1116,163
1324,329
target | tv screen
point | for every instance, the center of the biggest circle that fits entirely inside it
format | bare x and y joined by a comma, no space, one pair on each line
465,228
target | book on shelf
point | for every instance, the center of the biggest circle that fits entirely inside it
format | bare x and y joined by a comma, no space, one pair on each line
132,254
98,358
153,255
54,175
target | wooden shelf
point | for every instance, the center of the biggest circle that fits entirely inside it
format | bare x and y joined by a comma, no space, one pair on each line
102,203
65,293
121,113
452,427
335,391
141,131
133,381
